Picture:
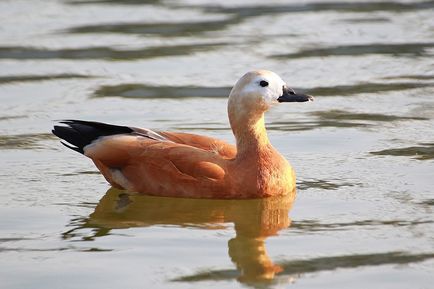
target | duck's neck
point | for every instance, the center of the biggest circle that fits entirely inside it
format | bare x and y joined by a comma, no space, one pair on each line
250,135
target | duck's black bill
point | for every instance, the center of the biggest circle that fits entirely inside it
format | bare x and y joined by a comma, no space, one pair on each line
289,95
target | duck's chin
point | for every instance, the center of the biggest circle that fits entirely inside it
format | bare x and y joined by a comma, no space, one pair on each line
269,104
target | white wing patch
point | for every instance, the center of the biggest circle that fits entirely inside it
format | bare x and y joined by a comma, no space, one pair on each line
119,178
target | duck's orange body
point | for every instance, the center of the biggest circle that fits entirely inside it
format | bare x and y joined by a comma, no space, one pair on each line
188,165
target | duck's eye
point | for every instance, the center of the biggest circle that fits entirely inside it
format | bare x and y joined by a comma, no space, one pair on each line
263,83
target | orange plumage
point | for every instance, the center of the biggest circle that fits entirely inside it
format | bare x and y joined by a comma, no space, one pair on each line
188,165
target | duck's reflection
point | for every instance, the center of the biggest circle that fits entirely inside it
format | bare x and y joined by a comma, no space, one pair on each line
254,220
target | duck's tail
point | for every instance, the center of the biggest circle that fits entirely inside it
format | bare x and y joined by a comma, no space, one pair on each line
80,133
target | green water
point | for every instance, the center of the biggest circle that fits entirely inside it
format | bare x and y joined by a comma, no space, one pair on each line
363,151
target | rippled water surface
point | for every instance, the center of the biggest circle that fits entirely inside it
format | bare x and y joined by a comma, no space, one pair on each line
363,151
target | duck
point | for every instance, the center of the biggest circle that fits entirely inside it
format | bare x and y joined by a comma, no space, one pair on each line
180,164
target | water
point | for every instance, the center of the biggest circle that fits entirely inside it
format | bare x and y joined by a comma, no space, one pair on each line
363,151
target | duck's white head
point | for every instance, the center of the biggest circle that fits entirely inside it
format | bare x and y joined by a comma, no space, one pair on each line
258,90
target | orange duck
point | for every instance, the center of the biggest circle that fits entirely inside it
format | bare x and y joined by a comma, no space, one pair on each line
177,164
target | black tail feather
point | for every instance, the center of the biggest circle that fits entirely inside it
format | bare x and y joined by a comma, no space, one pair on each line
77,149
80,133
70,135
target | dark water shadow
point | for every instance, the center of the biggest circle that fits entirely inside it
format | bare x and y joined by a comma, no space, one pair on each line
373,20
6,118
427,203
339,119
339,6
105,53
32,78
115,2
411,76
258,10
55,249
324,184
424,151
24,141
89,205
5,240
148,91
313,226
164,29
320,264
313,124
365,87
336,114
254,221
73,174
32,250
398,49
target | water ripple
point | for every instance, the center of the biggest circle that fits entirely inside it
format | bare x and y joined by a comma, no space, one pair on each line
396,49
166,29
30,78
318,264
23,141
107,53
148,91
424,151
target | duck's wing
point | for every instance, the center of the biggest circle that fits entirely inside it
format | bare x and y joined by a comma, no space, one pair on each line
158,167
146,161
220,147
80,133
217,146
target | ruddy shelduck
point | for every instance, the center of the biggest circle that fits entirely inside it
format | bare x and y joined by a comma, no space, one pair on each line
179,164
